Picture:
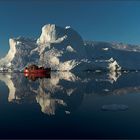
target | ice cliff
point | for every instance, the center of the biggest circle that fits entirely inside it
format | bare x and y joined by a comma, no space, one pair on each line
64,49
57,47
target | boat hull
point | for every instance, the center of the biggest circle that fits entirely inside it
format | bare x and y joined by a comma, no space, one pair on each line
33,72
38,71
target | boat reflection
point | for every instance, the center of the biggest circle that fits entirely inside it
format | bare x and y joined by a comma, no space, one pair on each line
35,76
63,92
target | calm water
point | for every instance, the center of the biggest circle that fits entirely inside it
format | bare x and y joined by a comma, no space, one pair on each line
67,105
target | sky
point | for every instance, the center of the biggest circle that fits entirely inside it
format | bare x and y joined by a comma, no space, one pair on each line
99,20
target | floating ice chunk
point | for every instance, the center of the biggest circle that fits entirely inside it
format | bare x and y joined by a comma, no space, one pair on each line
114,107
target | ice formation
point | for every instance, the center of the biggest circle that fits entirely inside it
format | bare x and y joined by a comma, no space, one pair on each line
63,49
57,47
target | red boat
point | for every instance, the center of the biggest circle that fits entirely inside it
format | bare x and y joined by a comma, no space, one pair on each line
36,72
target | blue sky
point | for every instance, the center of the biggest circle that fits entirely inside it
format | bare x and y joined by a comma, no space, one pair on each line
110,20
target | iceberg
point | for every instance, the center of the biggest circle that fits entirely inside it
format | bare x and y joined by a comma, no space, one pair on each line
63,49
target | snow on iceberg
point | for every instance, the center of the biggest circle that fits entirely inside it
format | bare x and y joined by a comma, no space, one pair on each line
9,57
67,27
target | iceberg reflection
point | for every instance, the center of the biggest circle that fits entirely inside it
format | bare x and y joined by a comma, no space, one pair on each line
64,91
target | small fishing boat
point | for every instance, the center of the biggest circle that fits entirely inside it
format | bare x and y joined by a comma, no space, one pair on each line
37,72
34,72
33,69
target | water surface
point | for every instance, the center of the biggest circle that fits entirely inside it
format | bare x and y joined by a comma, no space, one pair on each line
69,105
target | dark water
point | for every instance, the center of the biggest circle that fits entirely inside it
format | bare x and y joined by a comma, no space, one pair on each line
70,105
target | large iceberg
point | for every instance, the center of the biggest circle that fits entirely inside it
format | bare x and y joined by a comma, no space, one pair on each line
63,49
57,47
